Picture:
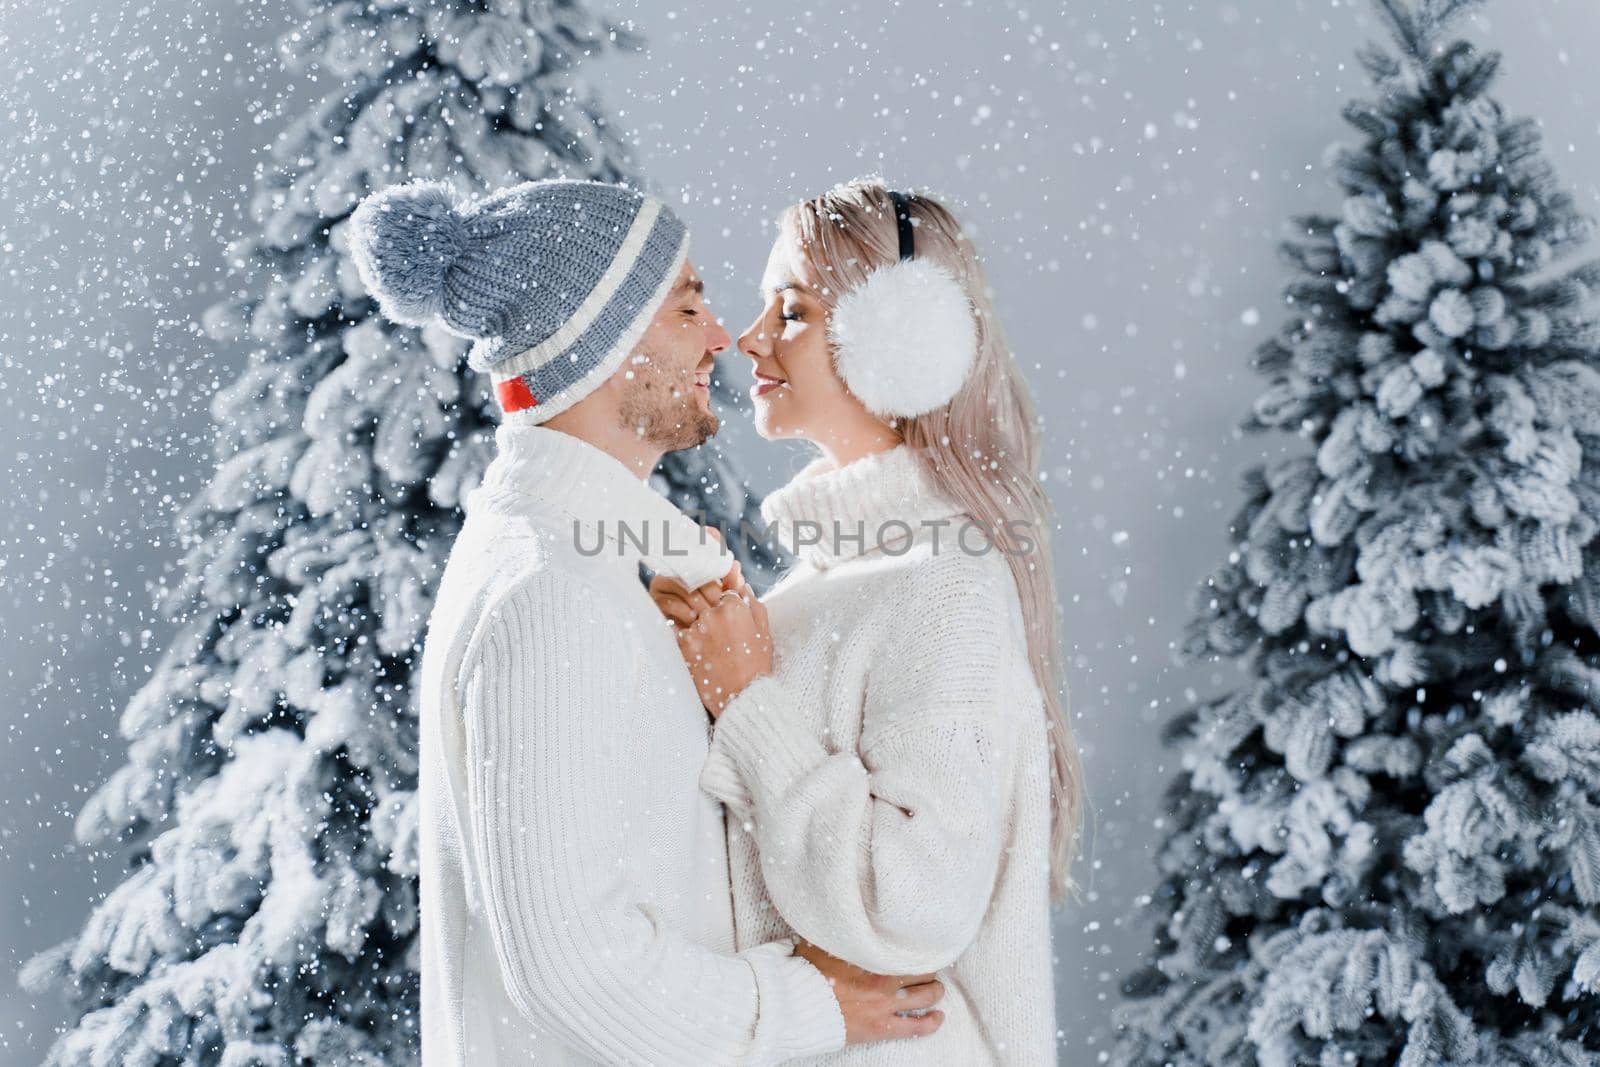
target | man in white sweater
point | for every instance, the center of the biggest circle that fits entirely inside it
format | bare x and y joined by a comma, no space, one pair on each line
575,889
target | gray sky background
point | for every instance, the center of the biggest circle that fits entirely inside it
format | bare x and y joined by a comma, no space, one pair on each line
1127,166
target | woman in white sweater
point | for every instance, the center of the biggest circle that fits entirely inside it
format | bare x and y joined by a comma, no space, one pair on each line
890,742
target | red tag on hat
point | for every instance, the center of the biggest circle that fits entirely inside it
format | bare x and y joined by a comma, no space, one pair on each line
514,394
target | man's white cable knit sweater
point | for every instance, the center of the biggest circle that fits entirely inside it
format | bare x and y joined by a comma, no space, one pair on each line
888,784
575,901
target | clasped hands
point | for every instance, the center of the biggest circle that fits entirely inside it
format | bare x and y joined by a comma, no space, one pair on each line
722,633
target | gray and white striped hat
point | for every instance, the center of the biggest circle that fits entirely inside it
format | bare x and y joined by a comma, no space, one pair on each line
554,280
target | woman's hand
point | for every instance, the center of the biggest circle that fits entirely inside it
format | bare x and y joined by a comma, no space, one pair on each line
684,606
722,632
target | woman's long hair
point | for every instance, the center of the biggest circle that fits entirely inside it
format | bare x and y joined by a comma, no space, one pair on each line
982,447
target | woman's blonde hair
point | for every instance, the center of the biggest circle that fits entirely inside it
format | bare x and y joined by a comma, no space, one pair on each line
982,448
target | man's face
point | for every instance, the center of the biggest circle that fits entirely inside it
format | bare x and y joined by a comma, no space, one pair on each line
666,382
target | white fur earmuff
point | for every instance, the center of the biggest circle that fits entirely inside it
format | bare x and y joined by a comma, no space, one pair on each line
905,339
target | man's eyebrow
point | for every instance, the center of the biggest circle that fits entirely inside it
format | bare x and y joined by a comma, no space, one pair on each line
693,285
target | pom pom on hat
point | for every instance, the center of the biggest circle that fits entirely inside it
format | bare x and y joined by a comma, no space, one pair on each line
404,239
905,339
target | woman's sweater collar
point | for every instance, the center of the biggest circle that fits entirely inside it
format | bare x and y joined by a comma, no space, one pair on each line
592,495
876,497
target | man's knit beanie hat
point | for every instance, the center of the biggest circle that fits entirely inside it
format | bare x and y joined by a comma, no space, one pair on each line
554,280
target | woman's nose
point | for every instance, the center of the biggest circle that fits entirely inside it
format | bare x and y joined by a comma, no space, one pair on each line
753,342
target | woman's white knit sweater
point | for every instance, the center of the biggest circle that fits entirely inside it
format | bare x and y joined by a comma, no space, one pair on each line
888,784
574,879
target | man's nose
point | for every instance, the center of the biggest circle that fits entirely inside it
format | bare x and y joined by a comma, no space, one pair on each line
719,338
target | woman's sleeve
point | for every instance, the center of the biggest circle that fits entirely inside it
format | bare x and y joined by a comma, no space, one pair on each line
582,950
887,856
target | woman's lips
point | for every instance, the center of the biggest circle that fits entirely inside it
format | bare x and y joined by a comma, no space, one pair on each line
765,384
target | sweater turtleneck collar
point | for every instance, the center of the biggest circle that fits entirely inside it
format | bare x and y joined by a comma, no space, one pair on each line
880,497
593,497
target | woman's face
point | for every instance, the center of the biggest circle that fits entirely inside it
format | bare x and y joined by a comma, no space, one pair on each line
797,392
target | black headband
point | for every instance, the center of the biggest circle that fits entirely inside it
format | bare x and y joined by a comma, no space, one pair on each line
902,217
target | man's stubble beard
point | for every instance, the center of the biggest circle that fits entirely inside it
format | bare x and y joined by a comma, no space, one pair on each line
670,422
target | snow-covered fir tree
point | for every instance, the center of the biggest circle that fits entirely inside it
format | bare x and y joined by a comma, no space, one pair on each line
1385,847
270,913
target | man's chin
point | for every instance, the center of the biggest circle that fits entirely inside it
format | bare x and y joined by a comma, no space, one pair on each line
707,426
698,425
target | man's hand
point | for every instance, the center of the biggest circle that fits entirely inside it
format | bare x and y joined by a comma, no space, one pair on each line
871,1003
722,633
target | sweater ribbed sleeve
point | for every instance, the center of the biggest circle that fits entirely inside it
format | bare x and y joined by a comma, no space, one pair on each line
582,950
885,856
